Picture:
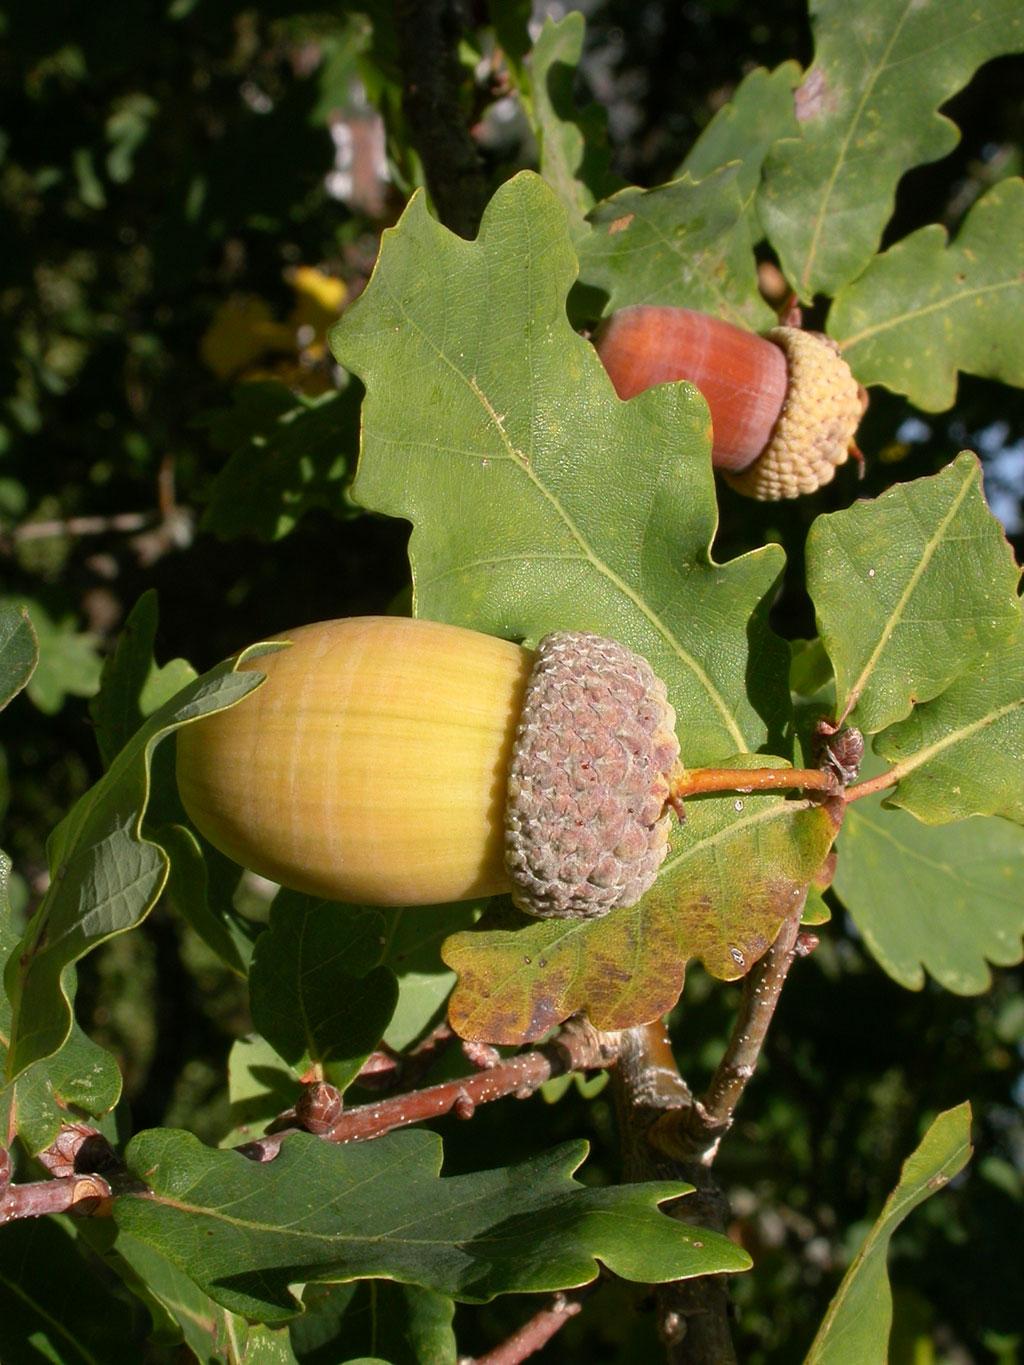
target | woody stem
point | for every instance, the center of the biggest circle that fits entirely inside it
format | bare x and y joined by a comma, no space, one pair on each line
695,781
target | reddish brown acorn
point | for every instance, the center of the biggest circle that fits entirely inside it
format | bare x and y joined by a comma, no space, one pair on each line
784,408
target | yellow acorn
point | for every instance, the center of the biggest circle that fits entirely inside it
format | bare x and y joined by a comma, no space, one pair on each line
388,761
784,408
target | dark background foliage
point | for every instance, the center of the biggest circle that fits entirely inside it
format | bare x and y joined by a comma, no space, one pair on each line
166,167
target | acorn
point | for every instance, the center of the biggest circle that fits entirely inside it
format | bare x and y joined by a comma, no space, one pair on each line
388,761
784,407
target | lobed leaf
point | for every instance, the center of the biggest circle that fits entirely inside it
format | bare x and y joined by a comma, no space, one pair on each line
411,950
105,875
688,244
19,651
963,753
856,1327
745,129
571,142
945,901
736,871
910,590
317,990
867,111
246,1231
925,309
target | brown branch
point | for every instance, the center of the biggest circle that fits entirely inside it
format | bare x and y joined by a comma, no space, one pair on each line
873,785
534,1335
696,781
428,33
694,1133
577,1047
82,526
693,1315
81,1194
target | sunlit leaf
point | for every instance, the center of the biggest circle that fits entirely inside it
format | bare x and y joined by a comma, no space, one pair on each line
926,308
19,651
910,590
868,112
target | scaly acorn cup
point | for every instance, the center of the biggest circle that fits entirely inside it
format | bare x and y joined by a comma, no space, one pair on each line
784,408
388,761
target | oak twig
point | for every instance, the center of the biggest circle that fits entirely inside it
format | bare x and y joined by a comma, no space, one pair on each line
83,1194
577,1047
696,781
534,1335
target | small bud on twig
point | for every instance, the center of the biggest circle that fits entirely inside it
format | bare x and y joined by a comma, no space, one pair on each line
319,1107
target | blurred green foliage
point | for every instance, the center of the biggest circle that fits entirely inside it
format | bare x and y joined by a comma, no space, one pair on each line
169,164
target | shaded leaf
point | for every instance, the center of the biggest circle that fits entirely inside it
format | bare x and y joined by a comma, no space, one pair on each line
105,875
56,1306
925,309
868,112
133,685
80,1079
261,1085
245,1231
317,990
200,893
910,590
19,651
572,146
688,243
288,456
402,1323
413,952
215,1336
963,753
947,901
736,870
747,127
855,1329
68,662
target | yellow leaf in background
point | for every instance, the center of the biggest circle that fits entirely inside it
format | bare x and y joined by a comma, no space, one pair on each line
242,330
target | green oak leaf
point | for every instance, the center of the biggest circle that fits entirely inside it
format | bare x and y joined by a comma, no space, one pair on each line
868,112
736,870
200,887
133,685
317,990
856,1327
211,1333
745,129
19,651
412,944
68,662
925,309
538,499
261,1085
571,142
946,900
688,244
105,874
402,1323
245,1231
82,1078
288,455
963,753
910,590
56,1305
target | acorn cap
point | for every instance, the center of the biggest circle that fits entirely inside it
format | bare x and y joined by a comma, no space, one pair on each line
816,427
586,827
